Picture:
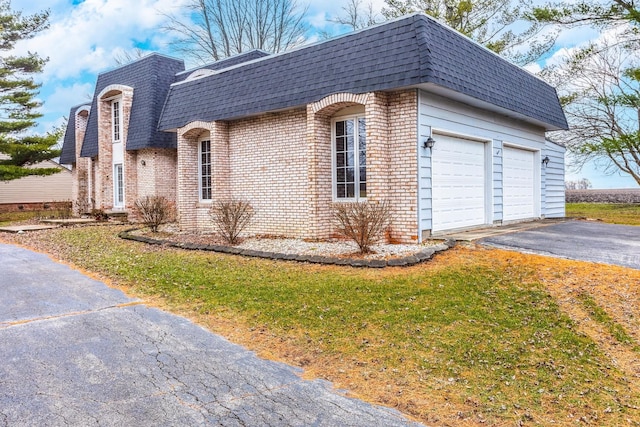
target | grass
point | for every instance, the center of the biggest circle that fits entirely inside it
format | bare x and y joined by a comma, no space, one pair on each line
601,316
8,218
612,213
458,341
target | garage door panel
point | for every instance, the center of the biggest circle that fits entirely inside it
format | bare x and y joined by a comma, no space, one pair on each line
519,184
458,183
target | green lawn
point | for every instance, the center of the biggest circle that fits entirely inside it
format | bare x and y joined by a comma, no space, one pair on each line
458,342
8,218
608,212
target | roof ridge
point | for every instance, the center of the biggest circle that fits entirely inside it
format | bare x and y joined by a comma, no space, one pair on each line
137,60
273,56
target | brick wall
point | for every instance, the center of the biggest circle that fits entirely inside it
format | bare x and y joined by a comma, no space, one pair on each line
104,176
191,213
281,164
80,190
403,176
156,173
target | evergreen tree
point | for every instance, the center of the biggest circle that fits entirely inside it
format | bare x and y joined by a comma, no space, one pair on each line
18,106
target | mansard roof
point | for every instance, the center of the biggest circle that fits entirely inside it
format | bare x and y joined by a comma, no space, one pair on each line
150,78
413,51
68,153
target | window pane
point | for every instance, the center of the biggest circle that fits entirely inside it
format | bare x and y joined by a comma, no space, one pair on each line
350,175
350,141
340,160
363,174
339,128
350,190
349,124
350,159
341,191
340,144
205,170
363,189
363,158
340,175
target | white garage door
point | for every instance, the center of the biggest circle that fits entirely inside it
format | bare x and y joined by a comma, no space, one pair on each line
458,183
519,184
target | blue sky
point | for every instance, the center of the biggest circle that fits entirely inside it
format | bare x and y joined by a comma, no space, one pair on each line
86,35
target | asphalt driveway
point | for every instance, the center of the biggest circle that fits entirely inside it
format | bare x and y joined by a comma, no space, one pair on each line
75,352
579,240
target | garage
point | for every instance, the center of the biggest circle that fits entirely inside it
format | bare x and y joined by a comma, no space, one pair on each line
458,183
519,183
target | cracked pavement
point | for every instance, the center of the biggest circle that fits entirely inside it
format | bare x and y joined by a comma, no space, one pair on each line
76,352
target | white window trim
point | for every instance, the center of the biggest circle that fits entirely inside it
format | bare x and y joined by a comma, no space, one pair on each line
200,141
118,187
112,101
334,177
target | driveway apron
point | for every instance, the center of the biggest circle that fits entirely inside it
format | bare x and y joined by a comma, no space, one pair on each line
76,352
579,240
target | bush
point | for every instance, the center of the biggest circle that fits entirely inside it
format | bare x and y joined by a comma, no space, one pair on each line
362,222
230,217
99,215
154,210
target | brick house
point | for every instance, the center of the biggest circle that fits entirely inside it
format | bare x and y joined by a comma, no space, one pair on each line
409,111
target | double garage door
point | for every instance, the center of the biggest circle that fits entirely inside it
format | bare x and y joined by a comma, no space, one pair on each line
460,193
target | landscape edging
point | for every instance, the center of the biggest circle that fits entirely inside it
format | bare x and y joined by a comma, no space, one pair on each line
417,258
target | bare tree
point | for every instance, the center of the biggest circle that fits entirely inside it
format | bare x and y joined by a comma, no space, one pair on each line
126,56
356,17
582,184
215,29
600,88
497,24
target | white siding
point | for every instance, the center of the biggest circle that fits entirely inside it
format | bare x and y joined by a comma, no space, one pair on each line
553,181
38,189
442,114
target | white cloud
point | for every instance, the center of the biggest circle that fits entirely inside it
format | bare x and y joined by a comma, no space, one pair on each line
64,97
86,37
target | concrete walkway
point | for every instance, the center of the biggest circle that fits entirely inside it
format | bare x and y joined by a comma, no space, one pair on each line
76,352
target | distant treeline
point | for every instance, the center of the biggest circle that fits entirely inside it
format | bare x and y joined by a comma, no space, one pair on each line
603,196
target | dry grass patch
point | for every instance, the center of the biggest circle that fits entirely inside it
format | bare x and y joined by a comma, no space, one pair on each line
475,337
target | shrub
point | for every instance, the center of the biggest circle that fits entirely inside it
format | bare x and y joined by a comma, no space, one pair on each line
99,215
82,206
362,222
230,217
154,210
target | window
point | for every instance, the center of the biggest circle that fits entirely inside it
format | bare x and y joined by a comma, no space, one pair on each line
205,169
350,158
118,178
115,120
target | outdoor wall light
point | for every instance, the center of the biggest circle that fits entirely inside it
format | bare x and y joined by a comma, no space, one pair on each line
143,163
545,161
429,143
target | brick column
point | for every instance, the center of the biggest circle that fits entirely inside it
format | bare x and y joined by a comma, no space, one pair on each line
187,197
378,146
220,173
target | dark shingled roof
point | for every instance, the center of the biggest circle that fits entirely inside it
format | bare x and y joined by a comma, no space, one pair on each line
411,51
150,78
68,153
225,63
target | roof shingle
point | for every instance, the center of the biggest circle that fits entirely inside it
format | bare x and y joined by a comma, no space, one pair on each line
407,52
150,78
